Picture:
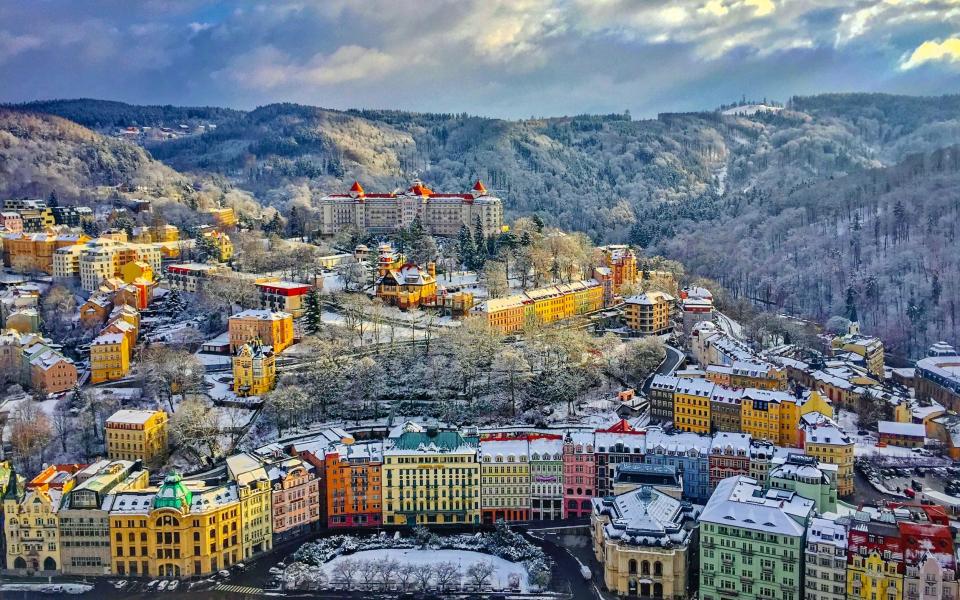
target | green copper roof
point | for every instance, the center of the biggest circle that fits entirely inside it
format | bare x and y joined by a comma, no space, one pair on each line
443,440
173,494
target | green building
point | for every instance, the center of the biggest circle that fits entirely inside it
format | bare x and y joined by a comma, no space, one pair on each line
752,542
806,476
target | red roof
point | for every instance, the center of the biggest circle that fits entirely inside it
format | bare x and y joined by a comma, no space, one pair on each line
356,187
419,189
620,427
478,187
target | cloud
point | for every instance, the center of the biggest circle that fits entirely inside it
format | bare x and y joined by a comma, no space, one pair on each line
267,67
762,7
12,45
933,51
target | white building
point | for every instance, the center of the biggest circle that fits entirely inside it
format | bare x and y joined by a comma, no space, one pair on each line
826,560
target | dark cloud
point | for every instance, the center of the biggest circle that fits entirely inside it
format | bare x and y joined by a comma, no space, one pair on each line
512,58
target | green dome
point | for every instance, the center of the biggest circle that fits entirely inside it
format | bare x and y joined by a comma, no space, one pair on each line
173,494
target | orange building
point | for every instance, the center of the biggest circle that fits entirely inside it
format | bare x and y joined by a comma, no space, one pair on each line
274,329
94,312
409,286
622,263
34,251
353,485
52,373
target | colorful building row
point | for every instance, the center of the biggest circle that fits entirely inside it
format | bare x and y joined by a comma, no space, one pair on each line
542,305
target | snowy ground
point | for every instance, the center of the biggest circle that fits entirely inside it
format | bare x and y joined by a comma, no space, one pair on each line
463,558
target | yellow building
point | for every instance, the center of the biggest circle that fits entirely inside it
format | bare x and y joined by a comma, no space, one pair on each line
254,490
504,480
431,477
649,313
816,403
109,357
770,415
221,242
823,439
691,405
31,523
274,329
223,217
542,305
870,348
103,258
181,529
34,252
164,233
132,271
870,577
409,286
137,435
254,370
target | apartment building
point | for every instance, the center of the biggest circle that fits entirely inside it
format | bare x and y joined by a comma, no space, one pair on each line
137,435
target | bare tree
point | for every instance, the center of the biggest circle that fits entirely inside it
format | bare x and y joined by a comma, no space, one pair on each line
62,422
422,574
284,406
347,571
195,428
405,575
355,276
369,573
171,371
479,574
354,308
495,278
446,573
387,571
30,432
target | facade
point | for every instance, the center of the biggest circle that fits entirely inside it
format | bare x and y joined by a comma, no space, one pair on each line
696,306
644,541
613,446
546,477
761,458
11,222
752,542
274,329
748,374
504,479
868,347
355,492
649,313
691,405
431,476
34,252
908,435
579,474
542,305
283,296
622,263
823,439
137,435
808,478
874,560
109,357
688,454
938,379
52,373
189,277
295,499
180,530
254,370
661,392
725,408
254,490
770,415
410,286
825,554
103,258
85,548
438,214
729,456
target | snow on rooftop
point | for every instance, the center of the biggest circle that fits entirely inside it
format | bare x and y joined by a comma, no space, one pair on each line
902,429
741,502
131,416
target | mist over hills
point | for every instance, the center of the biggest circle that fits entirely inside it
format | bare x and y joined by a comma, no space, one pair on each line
832,197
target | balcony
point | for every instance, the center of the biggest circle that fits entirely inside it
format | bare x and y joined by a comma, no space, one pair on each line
728,593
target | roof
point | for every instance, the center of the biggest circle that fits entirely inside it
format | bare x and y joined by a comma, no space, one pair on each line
740,502
650,298
266,315
646,517
735,441
825,531
821,429
695,386
427,441
131,416
108,338
902,429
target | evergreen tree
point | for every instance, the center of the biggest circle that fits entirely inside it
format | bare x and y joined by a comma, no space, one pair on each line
295,224
465,247
479,245
526,240
274,226
538,222
312,312
935,290
91,228
851,305
53,201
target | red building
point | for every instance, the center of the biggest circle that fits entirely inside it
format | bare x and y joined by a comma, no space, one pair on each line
353,486
284,296
921,538
579,474
729,456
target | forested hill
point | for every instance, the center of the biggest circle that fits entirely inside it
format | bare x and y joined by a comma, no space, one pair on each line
99,114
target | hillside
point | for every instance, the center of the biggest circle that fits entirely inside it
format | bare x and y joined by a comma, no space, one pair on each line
102,114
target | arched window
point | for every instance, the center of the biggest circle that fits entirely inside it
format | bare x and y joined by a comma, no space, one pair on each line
632,567
49,564
645,567
658,569
19,563
572,504
658,590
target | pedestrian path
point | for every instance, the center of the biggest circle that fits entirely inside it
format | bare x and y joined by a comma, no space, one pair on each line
238,589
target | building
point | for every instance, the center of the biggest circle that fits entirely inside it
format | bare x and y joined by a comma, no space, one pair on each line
52,373
825,555
808,478
219,245
438,214
431,476
579,474
661,392
409,286
696,305
691,405
748,374
930,563
11,222
875,566
644,540
908,435
504,479
824,440
254,369
295,498
938,379
274,329
770,415
109,357
189,277
254,490
34,252
868,347
103,258
688,454
729,456
542,306
31,521
94,312
618,444
137,435
622,263
725,408
182,529
224,217
284,296
546,477
24,320
649,313
85,543
752,542
355,486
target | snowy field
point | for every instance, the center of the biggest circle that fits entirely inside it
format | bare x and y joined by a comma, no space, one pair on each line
462,558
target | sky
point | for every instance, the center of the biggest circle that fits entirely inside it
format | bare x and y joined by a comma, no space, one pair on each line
500,58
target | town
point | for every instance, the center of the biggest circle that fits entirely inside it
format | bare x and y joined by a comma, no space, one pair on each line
407,375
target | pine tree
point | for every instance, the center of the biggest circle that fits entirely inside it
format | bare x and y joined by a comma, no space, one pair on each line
480,245
312,313
465,247
295,223
53,201
935,290
274,226
851,305
538,222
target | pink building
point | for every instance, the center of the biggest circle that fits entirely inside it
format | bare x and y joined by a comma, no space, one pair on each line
296,498
579,474
11,222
